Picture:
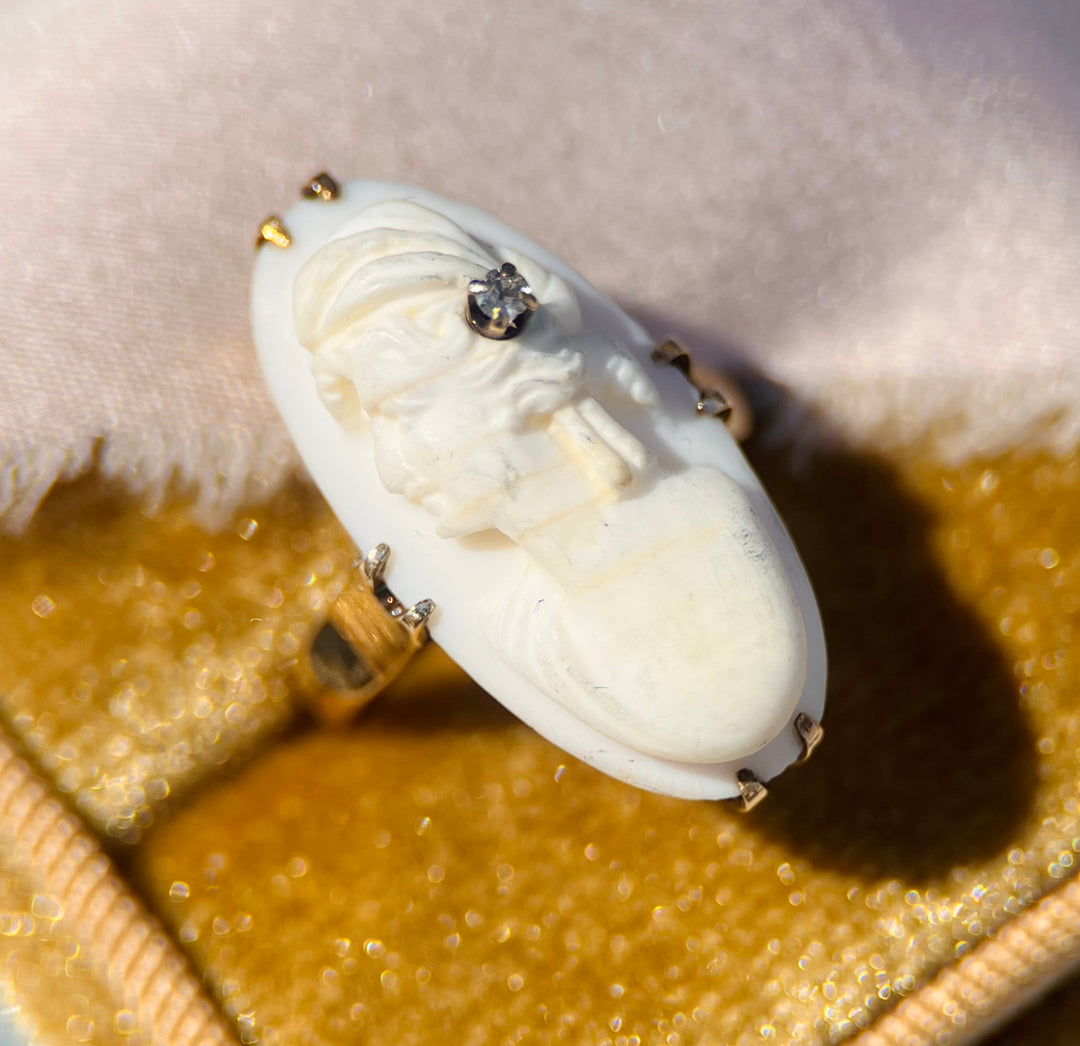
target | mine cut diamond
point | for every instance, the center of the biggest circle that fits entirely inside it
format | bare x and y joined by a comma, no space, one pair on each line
503,294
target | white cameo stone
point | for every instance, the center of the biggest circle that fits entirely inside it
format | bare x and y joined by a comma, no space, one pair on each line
604,561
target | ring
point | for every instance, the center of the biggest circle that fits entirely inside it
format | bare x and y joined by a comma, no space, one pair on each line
604,561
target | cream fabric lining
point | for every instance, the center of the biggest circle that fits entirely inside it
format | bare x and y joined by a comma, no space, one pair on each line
877,205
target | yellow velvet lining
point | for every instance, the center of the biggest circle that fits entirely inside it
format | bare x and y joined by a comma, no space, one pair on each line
440,871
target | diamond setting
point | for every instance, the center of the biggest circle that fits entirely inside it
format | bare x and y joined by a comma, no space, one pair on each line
500,303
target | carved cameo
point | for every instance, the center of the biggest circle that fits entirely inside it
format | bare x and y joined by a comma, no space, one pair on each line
604,561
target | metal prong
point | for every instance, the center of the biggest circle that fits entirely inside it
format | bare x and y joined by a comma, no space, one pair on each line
530,301
670,353
810,733
713,404
415,617
496,326
751,789
373,565
273,231
321,187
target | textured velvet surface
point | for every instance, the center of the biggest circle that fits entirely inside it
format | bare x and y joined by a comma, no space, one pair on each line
439,867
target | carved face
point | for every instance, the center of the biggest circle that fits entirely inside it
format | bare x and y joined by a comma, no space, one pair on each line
485,433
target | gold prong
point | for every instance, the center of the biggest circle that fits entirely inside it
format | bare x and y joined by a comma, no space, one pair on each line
713,404
273,231
810,733
373,565
670,353
321,187
416,616
752,790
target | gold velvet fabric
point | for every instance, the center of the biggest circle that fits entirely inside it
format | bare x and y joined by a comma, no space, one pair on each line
438,872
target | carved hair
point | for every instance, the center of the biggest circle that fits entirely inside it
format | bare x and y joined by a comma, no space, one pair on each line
486,434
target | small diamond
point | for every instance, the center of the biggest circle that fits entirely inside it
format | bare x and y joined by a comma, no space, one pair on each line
503,294
500,304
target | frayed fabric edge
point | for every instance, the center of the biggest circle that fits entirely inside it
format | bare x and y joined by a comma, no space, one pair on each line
954,421
231,466
219,471
28,472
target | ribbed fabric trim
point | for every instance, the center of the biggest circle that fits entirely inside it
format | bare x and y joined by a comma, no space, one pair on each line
129,950
1031,955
